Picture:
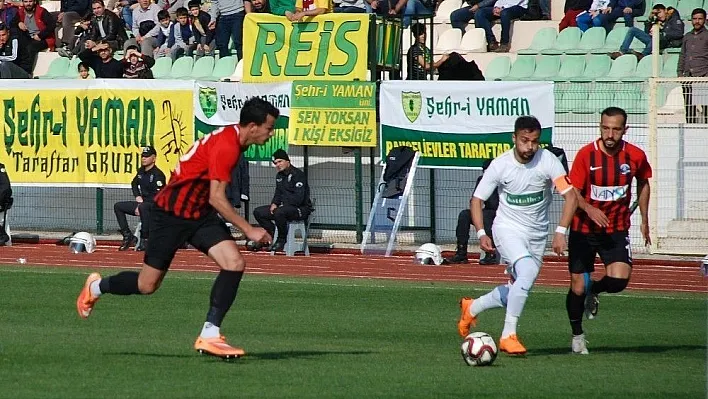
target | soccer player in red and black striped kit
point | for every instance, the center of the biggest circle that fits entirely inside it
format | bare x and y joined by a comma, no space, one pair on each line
187,210
602,174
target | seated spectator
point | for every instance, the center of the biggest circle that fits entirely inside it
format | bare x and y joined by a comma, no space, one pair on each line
351,6
203,36
137,65
71,12
105,26
461,17
313,8
626,9
386,7
145,27
416,8
163,34
37,24
506,11
420,58
125,9
100,59
9,17
15,60
670,32
181,39
171,6
280,7
572,9
290,202
84,72
593,16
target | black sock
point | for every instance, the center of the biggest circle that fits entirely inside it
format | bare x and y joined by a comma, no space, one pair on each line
223,294
575,305
599,285
123,283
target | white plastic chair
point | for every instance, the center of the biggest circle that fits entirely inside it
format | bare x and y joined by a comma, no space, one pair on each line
474,41
448,41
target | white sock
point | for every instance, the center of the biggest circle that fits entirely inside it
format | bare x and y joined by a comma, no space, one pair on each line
526,272
494,299
95,289
209,331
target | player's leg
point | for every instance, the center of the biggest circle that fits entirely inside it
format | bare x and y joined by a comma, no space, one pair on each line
167,230
214,239
616,253
462,233
581,260
121,209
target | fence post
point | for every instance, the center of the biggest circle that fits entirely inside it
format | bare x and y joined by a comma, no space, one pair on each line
433,238
372,175
358,194
653,137
99,210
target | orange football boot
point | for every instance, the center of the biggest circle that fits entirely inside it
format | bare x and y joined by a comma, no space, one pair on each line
217,347
466,319
512,345
86,301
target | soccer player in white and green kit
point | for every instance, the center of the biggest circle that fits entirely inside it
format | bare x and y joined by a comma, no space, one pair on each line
524,177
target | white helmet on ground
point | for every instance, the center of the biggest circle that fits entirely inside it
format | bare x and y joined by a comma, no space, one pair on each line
82,242
429,254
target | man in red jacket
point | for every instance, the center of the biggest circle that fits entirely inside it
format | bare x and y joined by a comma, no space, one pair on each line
38,24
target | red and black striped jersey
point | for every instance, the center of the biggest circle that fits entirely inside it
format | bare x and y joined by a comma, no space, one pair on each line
605,182
210,158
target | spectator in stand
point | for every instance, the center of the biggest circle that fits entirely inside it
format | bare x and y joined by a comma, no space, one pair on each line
37,24
72,11
506,11
9,17
181,39
100,59
593,16
417,8
280,7
627,9
203,36
351,6
387,7
145,27
84,72
420,58
171,6
137,65
309,8
125,9
693,62
670,32
163,34
15,61
257,6
573,8
227,18
103,25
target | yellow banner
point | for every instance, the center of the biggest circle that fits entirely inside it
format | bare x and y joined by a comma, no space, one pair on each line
329,47
92,136
333,114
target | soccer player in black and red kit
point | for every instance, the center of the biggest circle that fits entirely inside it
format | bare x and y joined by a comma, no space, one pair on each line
187,210
602,174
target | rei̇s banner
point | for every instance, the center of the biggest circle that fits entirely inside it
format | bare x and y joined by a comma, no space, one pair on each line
460,124
91,136
333,114
329,47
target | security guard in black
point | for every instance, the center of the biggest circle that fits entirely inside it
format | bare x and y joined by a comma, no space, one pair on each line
146,183
291,201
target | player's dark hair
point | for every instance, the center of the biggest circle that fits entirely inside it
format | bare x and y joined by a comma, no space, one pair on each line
698,11
615,111
182,12
256,110
527,124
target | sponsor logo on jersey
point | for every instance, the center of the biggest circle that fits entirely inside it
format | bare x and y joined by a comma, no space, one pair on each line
524,199
608,193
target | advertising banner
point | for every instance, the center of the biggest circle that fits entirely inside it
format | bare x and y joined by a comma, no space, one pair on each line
90,133
460,124
219,104
333,114
329,46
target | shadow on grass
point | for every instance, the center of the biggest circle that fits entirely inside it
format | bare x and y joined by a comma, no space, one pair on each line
250,355
155,355
649,349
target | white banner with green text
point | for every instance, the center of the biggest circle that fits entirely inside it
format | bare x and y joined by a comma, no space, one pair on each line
460,124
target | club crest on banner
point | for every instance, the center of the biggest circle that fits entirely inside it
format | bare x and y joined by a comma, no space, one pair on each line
207,100
411,102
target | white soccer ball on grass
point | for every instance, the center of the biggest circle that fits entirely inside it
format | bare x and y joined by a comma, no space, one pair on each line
479,349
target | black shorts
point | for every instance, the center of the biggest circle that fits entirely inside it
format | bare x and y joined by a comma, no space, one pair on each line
612,247
168,233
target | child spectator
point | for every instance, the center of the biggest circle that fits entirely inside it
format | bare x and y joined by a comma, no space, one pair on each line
203,36
83,71
137,65
163,18
181,39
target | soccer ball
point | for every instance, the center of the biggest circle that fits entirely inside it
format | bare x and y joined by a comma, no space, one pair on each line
479,349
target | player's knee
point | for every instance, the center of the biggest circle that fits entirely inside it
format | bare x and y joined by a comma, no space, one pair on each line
148,287
577,284
615,285
233,264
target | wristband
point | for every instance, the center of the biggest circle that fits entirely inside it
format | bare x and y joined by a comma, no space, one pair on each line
481,233
561,230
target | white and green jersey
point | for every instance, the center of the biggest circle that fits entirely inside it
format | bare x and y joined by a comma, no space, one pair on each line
524,190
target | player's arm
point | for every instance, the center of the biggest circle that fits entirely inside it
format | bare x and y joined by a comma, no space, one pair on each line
579,177
643,193
569,206
218,201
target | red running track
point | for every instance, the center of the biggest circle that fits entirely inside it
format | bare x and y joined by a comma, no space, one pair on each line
647,275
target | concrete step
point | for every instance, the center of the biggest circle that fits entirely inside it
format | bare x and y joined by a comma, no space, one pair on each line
688,228
684,246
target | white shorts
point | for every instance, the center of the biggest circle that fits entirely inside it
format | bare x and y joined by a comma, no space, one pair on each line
513,244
